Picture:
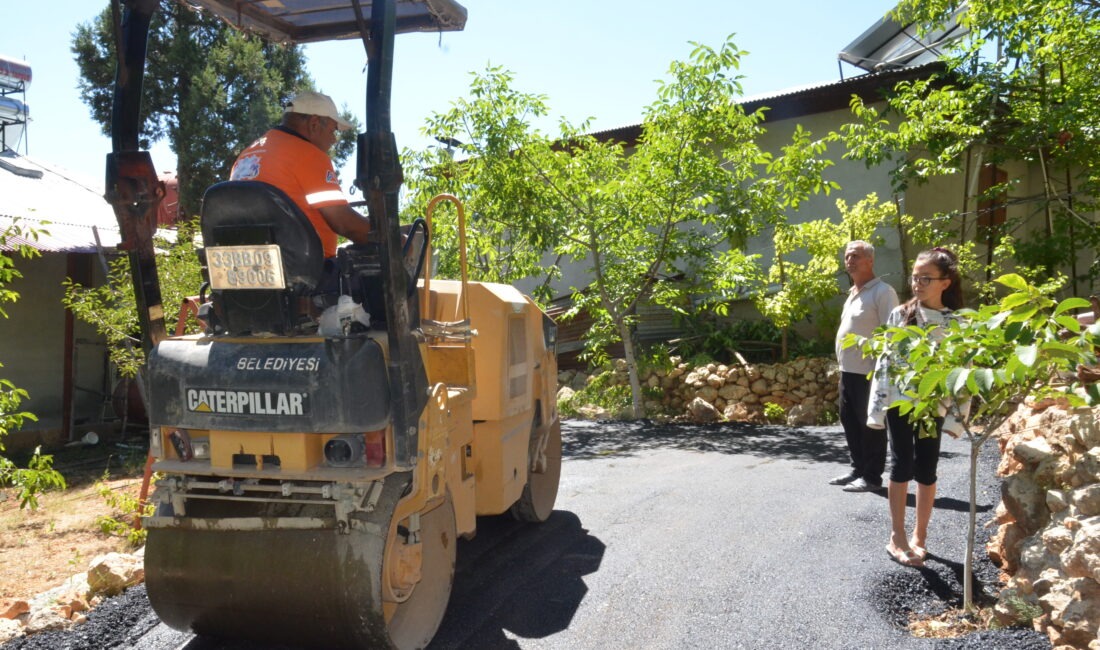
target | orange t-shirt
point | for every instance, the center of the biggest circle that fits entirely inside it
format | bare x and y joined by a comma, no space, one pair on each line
296,166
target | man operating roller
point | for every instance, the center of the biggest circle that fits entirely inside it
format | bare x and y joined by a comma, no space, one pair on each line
293,157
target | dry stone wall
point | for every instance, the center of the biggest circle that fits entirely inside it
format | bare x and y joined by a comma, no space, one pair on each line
1048,536
805,388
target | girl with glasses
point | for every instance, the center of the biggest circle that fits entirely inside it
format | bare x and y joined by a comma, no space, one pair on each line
915,446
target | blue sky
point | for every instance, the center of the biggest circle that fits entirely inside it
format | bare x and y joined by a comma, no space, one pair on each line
591,58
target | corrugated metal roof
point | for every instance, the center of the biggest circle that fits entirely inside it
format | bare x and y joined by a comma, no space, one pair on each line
808,99
58,203
871,80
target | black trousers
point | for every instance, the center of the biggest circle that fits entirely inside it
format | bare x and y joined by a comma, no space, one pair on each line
866,446
911,456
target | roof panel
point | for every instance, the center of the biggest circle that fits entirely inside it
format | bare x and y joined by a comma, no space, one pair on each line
306,21
57,203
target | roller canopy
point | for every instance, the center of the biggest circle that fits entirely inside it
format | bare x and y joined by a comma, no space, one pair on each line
307,21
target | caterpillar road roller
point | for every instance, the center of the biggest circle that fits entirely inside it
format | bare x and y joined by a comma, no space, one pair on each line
321,450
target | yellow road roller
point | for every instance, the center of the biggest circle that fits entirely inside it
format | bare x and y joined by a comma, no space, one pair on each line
321,451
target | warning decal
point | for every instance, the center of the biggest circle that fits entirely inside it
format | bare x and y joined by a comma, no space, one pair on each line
246,402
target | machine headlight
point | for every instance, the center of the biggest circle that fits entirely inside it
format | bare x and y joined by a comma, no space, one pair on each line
201,448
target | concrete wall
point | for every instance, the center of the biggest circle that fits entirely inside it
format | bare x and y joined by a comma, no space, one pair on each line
33,349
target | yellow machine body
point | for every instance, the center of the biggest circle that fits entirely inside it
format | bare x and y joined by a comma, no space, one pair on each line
488,442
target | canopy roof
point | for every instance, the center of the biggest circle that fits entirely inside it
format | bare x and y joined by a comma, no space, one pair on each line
888,44
306,21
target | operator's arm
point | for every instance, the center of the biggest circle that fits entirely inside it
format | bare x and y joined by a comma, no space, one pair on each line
347,222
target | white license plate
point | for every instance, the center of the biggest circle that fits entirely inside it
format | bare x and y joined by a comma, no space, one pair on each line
245,267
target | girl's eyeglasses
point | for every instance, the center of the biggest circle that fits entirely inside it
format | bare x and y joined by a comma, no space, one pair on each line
923,280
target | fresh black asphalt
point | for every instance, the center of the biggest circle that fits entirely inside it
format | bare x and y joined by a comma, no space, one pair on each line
679,536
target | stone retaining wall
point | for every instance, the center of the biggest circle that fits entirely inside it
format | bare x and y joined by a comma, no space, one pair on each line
805,388
1048,536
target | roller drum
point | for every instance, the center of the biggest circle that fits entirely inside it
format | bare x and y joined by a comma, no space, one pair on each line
315,588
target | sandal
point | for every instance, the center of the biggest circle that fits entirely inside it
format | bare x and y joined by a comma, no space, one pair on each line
919,552
904,558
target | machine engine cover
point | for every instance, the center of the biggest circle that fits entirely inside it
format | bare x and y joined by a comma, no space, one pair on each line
334,385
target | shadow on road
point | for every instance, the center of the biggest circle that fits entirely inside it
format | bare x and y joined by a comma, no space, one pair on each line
943,503
586,439
523,579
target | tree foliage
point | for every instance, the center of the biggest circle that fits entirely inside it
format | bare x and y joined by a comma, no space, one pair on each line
1018,96
645,219
111,307
209,89
802,277
1025,346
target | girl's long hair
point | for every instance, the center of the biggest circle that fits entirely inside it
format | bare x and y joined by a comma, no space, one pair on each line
948,264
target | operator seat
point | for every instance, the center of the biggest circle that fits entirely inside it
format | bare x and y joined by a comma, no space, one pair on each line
240,213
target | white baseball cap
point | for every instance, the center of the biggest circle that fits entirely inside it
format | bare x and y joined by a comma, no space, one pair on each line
309,102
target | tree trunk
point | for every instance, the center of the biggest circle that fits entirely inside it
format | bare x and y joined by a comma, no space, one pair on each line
972,527
637,408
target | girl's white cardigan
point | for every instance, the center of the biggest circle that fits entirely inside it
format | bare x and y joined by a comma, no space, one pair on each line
885,392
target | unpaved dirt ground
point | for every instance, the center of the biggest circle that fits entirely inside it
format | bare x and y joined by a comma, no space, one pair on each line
44,547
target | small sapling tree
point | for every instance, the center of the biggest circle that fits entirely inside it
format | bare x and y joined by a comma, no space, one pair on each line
1026,346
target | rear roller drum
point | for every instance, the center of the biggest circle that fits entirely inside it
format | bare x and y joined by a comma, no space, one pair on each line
543,473
411,622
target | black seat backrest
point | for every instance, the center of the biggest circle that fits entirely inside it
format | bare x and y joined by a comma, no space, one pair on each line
236,213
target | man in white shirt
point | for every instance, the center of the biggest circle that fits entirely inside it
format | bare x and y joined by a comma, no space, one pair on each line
869,302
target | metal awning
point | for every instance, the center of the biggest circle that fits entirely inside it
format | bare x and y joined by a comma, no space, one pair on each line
888,44
307,21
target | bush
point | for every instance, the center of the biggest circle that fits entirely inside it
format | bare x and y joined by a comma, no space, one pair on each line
129,509
829,416
602,391
775,413
111,307
39,476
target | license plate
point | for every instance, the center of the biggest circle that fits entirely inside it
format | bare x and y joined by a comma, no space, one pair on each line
245,267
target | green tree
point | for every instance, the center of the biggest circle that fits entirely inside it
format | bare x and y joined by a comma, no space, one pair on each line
1018,95
110,307
492,165
39,474
804,288
1024,346
209,89
637,218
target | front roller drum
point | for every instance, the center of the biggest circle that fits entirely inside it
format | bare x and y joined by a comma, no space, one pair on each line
308,588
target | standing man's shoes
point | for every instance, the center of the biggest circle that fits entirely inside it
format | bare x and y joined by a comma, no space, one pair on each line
844,480
860,485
